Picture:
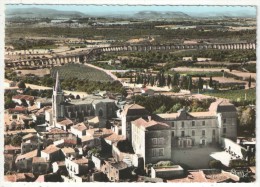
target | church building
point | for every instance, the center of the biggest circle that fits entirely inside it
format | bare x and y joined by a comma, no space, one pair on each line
65,113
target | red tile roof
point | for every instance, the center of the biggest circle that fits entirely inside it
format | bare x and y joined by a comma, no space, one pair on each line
18,109
10,147
51,149
27,155
19,177
146,124
26,97
79,127
66,122
66,150
39,160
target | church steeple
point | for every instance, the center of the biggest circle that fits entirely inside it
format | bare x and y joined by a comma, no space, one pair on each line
57,101
57,87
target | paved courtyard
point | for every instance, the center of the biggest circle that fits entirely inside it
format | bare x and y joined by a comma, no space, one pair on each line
195,158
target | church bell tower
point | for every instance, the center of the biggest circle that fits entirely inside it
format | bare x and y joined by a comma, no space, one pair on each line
57,101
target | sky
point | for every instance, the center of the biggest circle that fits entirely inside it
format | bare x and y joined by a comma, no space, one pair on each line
123,9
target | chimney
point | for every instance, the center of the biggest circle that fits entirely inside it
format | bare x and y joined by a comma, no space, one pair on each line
149,118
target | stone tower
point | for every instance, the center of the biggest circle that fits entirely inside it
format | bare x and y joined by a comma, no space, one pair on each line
57,102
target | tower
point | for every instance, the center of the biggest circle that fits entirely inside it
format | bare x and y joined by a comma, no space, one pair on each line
57,102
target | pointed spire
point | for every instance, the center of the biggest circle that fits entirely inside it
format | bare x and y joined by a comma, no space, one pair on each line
57,85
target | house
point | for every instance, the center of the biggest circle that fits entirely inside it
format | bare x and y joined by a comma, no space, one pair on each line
152,140
30,136
39,116
13,122
65,143
207,176
20,177
28,146
55,134
23,131
68,151
42,102
40,165
51,153
18,110
89,141
113,138
50,177
93,122
115,171
64,124
9,162
77,166
9,149
79,130
9,84
19,99
23,162
190,58
203,59
59,167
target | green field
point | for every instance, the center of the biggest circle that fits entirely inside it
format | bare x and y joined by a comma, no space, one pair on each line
235,95
80,71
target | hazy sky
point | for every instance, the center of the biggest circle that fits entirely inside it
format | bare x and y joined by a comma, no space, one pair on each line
104,9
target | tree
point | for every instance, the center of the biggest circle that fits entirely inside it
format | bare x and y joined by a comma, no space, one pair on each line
123,92
160,110
9,103
190,83
216,164
200,83
21,85
249,82
16,140
169,81
175,108
152,81
210,82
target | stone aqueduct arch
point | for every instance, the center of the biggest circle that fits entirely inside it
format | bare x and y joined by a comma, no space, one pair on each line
59,60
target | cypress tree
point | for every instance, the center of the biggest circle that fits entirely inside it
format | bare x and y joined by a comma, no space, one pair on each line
249,82
210,82
190,83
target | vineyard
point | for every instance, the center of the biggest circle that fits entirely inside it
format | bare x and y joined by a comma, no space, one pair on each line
202,73
81,72
235,95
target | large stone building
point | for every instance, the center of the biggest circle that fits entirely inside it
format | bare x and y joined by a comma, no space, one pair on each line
64,113
152,140
202,128
154,137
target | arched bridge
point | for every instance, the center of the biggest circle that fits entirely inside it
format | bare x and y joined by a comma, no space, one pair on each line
87,55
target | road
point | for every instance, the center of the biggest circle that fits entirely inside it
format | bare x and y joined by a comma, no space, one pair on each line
33,86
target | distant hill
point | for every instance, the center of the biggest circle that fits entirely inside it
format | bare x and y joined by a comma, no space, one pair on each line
42,13
160,15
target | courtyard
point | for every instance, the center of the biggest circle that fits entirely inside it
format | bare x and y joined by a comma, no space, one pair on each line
194,158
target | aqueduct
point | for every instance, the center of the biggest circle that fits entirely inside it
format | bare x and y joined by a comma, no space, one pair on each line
87,55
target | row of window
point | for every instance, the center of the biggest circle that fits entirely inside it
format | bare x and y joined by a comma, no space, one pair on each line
193,123
203,132
157,141
157,152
